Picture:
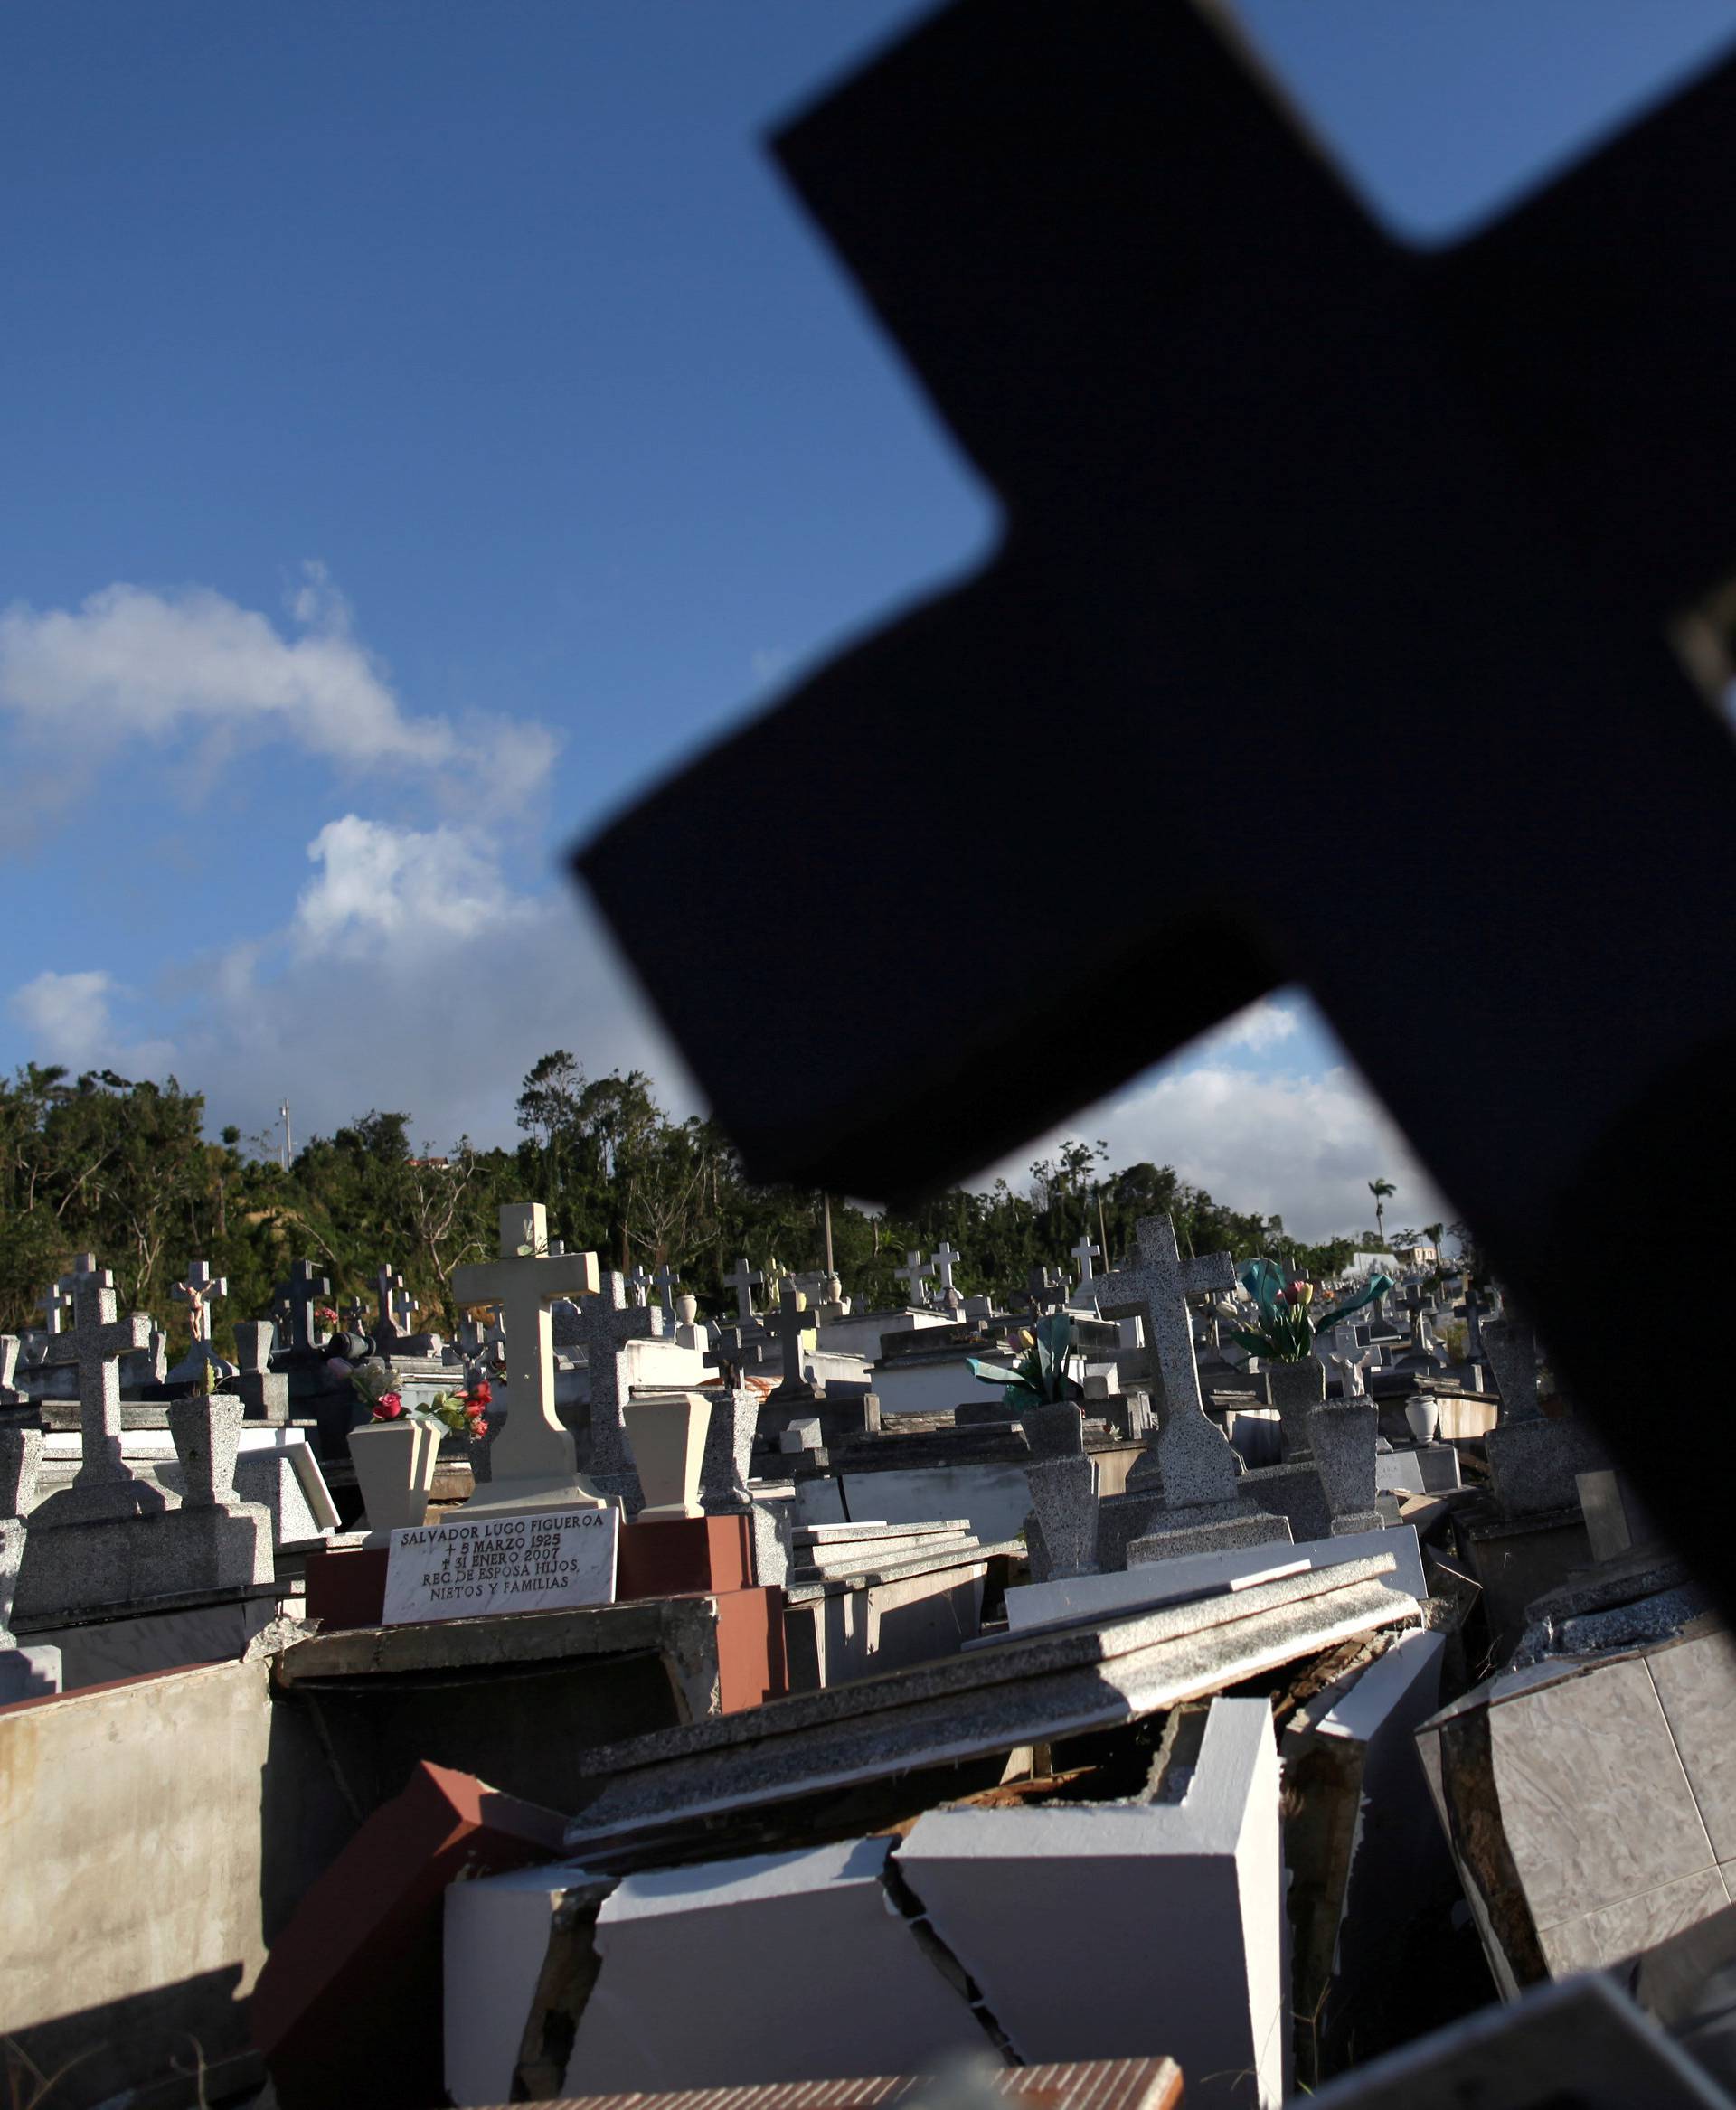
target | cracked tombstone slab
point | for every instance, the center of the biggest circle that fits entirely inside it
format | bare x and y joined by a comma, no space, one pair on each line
679,2001
1194,1875
1138,293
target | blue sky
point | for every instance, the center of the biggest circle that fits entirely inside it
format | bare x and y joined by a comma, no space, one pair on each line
426,421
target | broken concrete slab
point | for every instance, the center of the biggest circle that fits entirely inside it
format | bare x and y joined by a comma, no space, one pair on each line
679,1997
1195,1881
1031,1605
1582,2043
1367,1858
1028,1689
1590,1805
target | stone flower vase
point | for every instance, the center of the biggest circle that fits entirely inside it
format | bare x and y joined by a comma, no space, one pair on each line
667,1433
394,1469
1423,1414
1296,1389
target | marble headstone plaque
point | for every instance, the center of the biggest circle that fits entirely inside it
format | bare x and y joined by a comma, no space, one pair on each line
540,1560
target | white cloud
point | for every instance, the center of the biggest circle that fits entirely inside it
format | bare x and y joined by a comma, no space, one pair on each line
1302,1147
417,887
1261,1026
70,1019
410,975
130,664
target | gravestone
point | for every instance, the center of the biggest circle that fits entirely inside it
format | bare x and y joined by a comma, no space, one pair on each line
724,1470
25,1673
666,1282
914,1274
471,1566
199,1292
1342,1436
391,1321
1535,1463
1063,1505
744,1281
638,1286
944,1258
1201,1506
531,1459
263,1391
112,1540
1512,446
609,1323
298,1343
1085,1252
790,1325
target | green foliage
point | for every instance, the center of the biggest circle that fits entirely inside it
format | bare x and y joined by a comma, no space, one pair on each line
1039,1378
102,1165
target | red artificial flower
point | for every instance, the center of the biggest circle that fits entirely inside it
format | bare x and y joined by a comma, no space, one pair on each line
482,1392
478,1428
473,1408
388,1407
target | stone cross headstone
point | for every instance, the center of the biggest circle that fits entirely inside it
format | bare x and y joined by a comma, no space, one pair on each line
667,1281
1197,1466
609,1321
1511,1345
744,1281
1477,1308
914,1274
1044,1289
388,1291
199,1292
1085,1252
789,1324
1350,1359
105,1484
532,1460
297,1296
638,1286
946,1257
729,1445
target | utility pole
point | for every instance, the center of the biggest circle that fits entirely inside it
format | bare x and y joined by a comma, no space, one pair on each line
283,1115
826,1213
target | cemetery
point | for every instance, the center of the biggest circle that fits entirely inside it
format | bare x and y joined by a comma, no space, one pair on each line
614,1621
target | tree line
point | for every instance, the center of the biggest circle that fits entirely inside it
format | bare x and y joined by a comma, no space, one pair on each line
102,1163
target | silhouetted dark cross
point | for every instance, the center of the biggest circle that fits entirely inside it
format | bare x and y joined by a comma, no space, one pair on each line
1277,491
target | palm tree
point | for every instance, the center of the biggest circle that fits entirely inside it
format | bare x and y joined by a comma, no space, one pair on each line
1434,1233
1380,1189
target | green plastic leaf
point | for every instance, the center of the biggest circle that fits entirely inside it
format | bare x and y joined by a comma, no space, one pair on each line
1263,1282
990,1373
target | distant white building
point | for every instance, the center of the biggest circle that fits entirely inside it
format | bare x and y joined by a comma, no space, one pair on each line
1362,1265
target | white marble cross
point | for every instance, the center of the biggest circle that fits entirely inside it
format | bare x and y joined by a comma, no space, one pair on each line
944,1257
915,1273
534,1446
790,1323
638,1286
1085,1253
744,1281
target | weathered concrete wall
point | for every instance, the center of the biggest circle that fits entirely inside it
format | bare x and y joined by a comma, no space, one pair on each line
145,1867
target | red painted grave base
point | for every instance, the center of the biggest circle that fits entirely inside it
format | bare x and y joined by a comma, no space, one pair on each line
348,2005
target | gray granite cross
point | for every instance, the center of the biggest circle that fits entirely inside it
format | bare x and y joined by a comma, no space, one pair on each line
388,1289
607,1322
1239,429
744,1281
1085,1252
1154,1287
667,1281
790,1322
99,1340
305,1288
639,1285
